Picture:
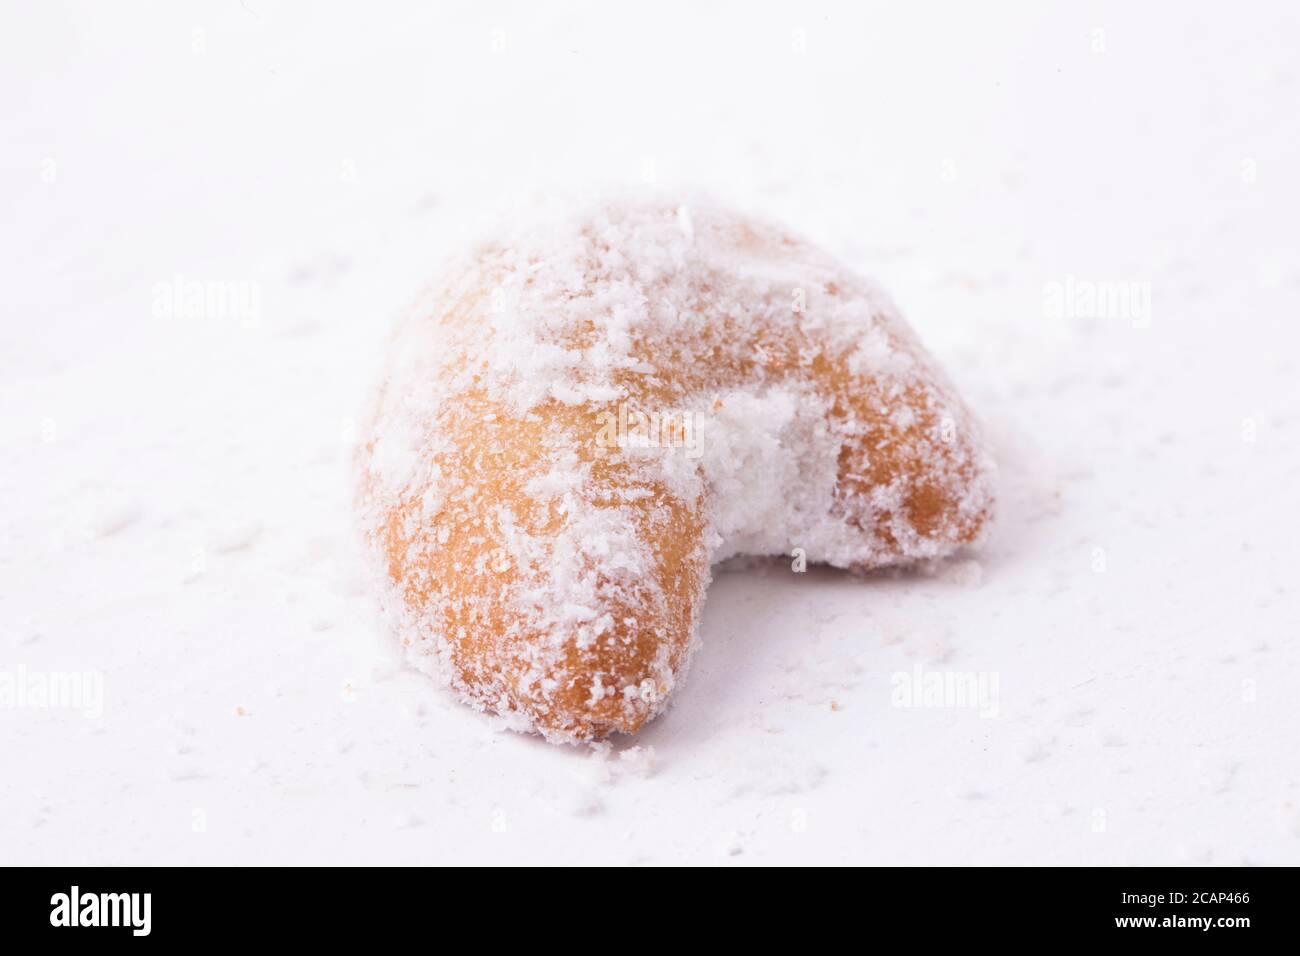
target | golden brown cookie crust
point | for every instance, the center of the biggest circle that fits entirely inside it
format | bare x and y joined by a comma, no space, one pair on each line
580,419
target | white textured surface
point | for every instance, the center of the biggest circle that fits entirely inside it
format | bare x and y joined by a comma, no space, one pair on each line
174,506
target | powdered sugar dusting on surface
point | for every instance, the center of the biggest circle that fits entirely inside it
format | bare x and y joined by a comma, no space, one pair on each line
1138,598
681,309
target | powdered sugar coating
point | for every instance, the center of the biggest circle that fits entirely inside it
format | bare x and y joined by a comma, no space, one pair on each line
581,418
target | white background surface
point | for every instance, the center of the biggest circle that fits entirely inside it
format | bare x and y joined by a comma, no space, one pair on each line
174,493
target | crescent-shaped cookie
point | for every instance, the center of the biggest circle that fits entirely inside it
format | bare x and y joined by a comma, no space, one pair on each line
581,418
